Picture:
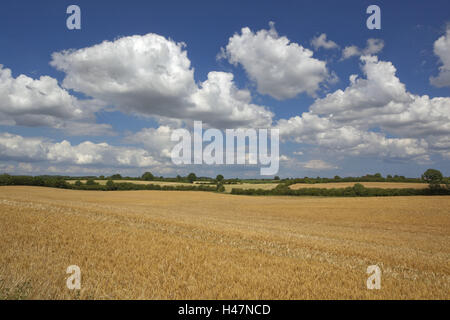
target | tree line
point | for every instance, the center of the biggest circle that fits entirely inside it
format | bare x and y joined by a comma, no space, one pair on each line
91,184
377,177
438,184
358,190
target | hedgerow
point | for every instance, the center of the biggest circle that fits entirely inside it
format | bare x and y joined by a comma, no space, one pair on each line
358,190
57,182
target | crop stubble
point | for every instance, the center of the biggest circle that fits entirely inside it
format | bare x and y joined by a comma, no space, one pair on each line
194,245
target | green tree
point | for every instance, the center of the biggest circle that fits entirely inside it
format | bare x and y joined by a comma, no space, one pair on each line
90,182
220,187
110,185
116,176
219,178
148,176
5,179
78,183
276,178
191,177
359,189
433,177
38,181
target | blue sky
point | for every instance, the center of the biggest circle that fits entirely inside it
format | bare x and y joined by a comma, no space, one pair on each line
31,31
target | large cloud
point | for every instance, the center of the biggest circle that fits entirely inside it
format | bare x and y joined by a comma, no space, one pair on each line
139,73
18,148
280,68
32,102
331,136
42,102
382,101
223,105
442,50
26,96
156,140
151,75
364,97
345,120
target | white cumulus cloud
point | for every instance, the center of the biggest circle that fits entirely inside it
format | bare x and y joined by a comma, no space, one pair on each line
375,116
151,75
42,102
442,50
18,148
280,68
381,100
155,140
330,136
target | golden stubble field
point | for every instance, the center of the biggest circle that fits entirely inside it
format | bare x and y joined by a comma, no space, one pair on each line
200,245
383,185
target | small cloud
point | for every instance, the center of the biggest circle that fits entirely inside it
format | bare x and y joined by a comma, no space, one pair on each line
318,165
350,51
322,42
373,46
25,167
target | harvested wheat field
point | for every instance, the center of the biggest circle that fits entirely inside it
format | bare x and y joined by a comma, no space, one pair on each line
383,185
203,245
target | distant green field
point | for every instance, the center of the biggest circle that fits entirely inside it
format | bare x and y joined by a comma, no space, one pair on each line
161,183
264,186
